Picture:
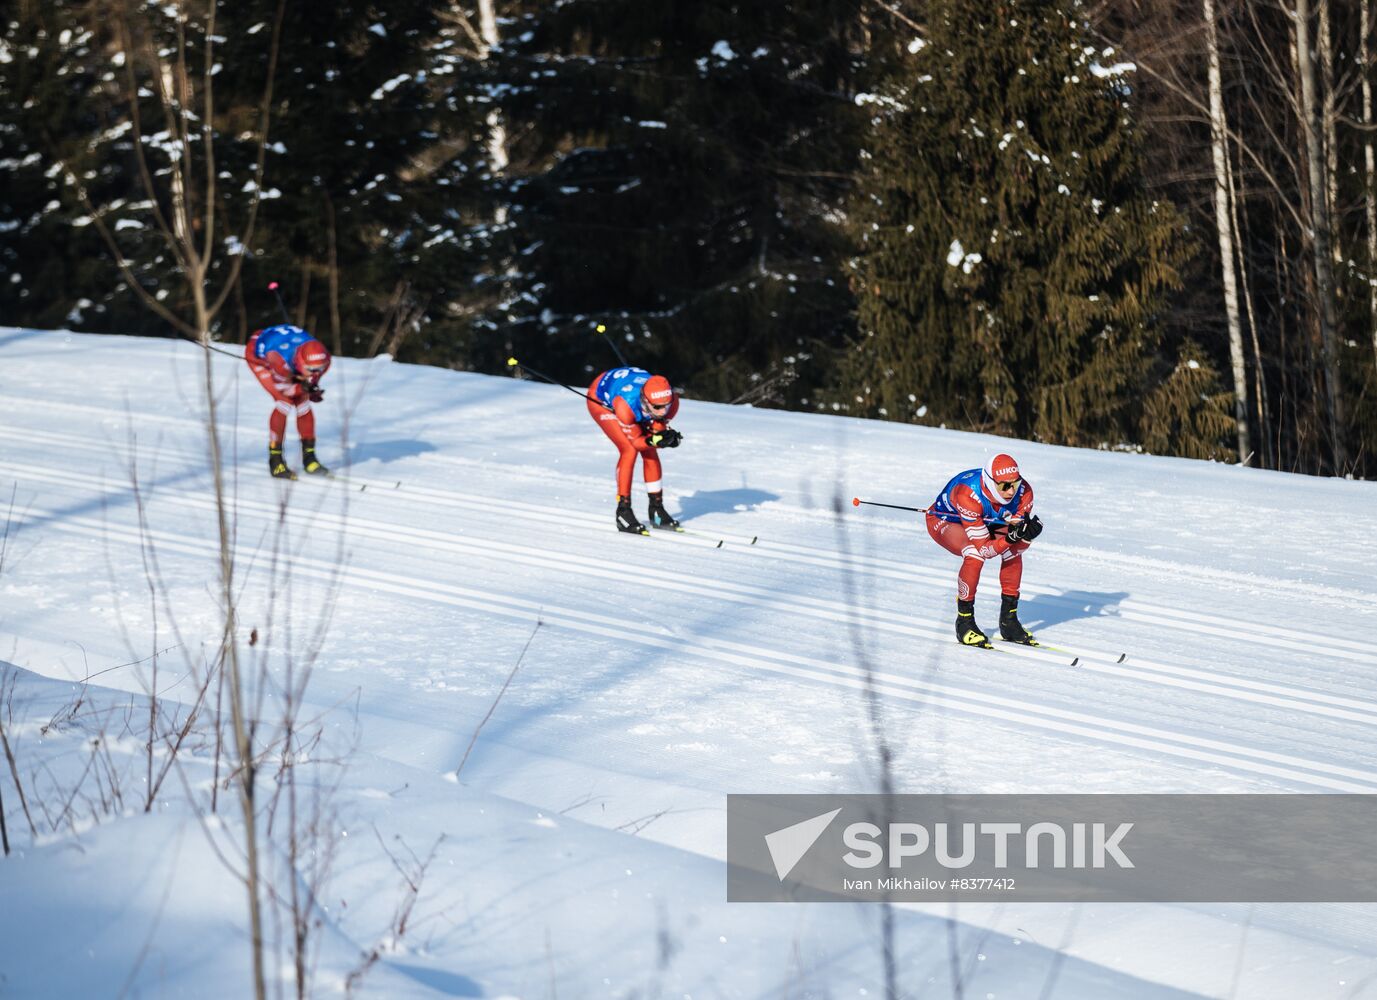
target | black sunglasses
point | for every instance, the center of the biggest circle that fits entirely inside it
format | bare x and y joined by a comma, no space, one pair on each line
1009,485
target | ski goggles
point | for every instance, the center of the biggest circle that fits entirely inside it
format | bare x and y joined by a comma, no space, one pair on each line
1009,486
658,410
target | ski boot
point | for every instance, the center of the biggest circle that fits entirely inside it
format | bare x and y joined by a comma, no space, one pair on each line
309,462
967,631
658,516
626,518
1010,628
277,465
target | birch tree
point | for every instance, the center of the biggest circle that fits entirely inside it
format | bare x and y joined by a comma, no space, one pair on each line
1369,167
1321,236
1329,118
497,132
1223,218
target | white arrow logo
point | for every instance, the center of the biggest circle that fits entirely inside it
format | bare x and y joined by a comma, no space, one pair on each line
788,846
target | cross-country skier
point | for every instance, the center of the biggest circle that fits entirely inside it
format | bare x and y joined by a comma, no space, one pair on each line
634,408
289,362
987,514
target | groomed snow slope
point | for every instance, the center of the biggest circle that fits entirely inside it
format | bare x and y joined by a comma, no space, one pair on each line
583,840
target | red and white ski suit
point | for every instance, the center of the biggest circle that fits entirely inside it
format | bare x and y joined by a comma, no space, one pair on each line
622,426
277,374
958,522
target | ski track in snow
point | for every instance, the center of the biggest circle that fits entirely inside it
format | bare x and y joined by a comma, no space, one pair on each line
750,656
747,656
1128,609
488,546
1299,699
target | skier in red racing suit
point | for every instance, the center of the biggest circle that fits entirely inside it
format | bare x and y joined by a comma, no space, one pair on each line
634,408
288,362
987,514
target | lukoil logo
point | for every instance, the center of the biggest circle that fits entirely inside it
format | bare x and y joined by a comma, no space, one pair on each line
1054,845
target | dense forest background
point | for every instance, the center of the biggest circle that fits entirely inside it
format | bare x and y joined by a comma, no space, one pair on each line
1136,224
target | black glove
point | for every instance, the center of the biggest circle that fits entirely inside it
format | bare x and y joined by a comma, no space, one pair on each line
314,393
666,438
1025,531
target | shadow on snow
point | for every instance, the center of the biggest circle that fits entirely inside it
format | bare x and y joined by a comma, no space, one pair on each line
722,502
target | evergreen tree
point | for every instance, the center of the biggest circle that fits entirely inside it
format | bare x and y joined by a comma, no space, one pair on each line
105,98
1010,261
1189,413
369,165
54,106
684,165
367,175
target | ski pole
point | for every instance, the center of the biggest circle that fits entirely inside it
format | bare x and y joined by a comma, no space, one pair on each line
857,501
513,363
221,350
273,287
615,350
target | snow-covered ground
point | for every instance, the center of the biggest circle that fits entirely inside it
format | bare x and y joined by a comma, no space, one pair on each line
579,853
